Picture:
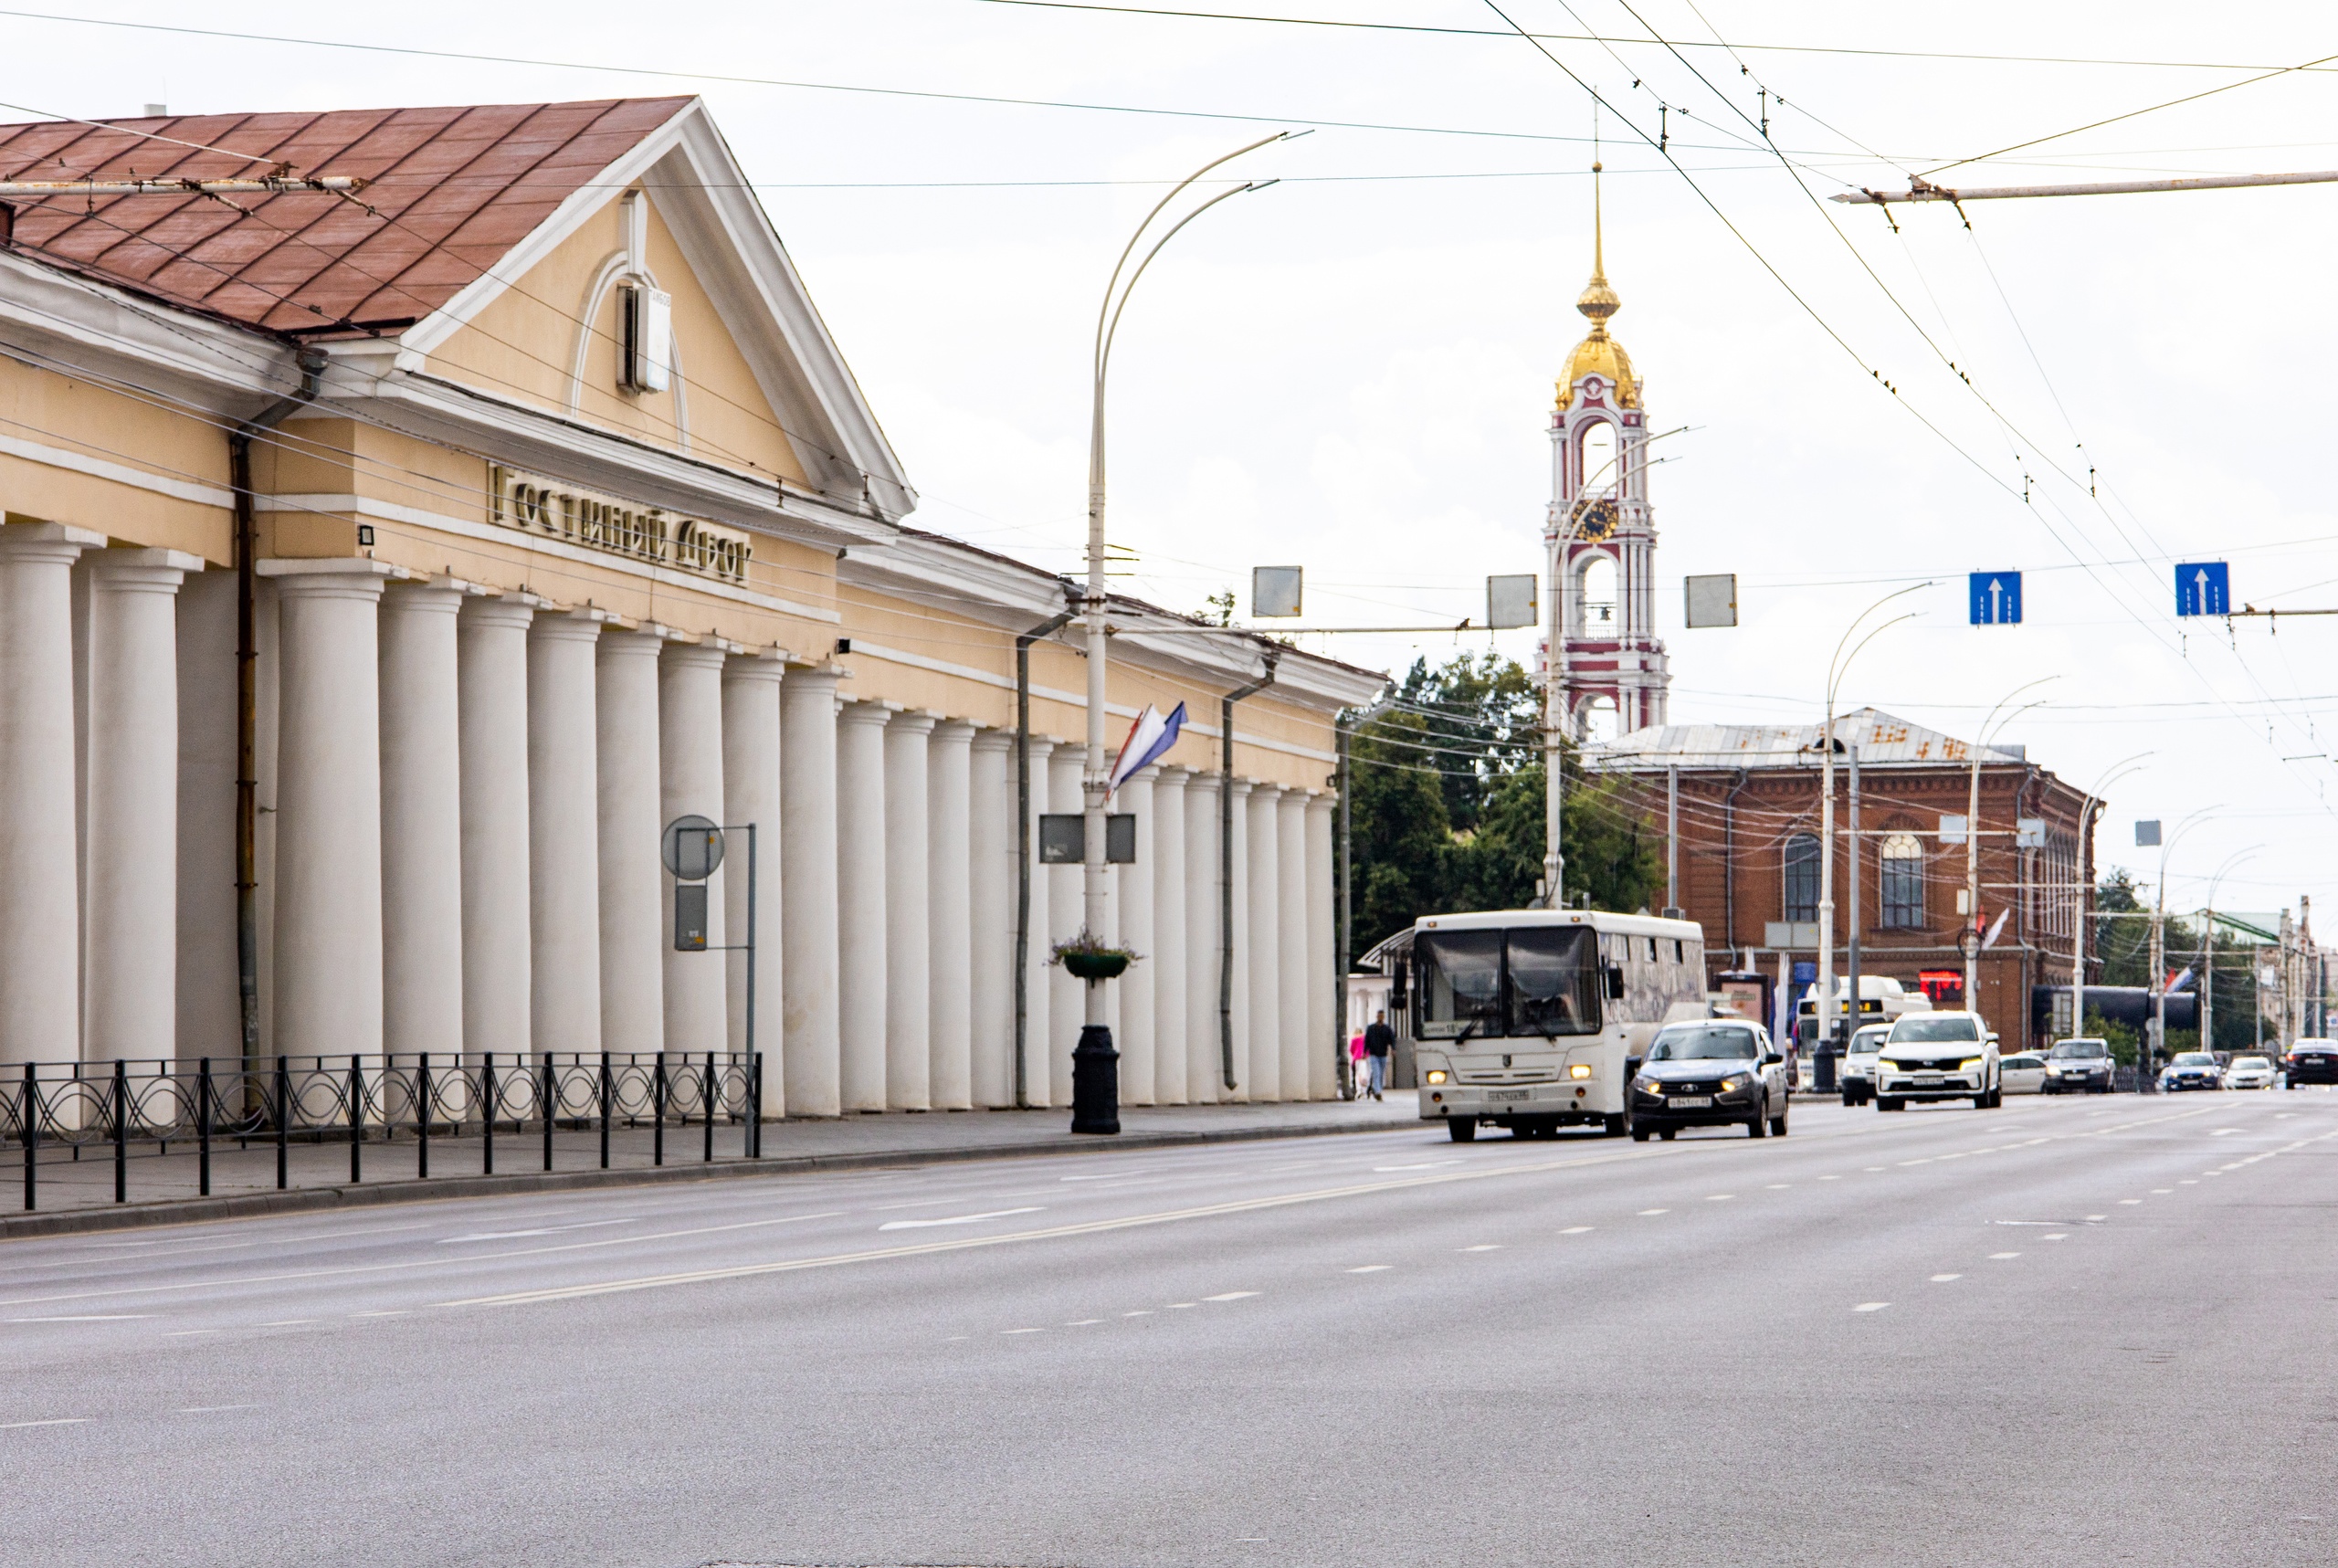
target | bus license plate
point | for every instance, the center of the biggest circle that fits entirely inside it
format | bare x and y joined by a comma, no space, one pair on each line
1692,1101
1510,1094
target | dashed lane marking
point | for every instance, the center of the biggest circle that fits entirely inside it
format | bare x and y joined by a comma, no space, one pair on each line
53,1421
1871,1306
88,1318
1483,1247
1373,1269
2001,1257
1945,1278
1231,1296
1575,1230
1645,1213
956,1219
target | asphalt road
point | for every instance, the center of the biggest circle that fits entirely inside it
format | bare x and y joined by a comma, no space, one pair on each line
2084,1332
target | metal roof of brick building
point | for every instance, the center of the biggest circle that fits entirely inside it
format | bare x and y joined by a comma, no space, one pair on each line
1882,741
448,192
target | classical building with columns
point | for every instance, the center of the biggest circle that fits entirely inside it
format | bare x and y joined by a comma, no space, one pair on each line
425,544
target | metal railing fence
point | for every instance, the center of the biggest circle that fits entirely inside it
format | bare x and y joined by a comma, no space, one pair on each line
132,1111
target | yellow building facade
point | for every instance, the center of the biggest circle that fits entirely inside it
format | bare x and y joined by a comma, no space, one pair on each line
385,566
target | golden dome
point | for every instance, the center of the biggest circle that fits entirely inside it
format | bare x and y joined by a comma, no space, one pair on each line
1599,355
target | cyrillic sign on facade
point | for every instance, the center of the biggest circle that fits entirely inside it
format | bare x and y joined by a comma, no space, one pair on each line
560,510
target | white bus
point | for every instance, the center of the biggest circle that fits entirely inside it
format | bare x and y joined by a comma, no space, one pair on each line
1527,1018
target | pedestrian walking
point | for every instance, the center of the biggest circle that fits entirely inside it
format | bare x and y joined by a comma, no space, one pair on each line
1355,1066
1377,1038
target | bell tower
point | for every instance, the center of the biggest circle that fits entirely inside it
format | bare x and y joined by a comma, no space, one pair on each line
1600,536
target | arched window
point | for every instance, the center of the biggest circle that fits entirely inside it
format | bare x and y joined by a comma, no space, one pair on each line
1595,598
1902,858
1597,475
1801,878
1599,723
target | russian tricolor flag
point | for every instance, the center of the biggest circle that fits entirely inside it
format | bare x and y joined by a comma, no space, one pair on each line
1149,737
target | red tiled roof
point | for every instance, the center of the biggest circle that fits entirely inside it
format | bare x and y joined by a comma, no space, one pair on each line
451,191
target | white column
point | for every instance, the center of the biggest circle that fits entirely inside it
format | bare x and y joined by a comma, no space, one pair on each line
131,963
689,755
564,835
1299,1048
1238,961
40,1015
1067,1006
1135,1032
1039,1083
859,850
750,685
1168,849
422,821
949,916
990,855
1204,1082
1326,1034
633,878
909,872
1265,942
808,893
328,809
498,983
210,1013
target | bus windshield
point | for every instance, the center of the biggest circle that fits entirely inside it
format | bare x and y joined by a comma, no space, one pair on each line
1527,980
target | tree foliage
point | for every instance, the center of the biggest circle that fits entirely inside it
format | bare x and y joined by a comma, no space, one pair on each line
1448,804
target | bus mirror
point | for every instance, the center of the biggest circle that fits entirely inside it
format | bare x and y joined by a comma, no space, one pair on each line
1614,982
1398,971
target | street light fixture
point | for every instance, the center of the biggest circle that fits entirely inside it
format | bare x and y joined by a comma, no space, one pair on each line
1095,1096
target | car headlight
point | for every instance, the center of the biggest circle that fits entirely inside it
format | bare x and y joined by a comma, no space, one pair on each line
1437,1075
1886,1062
1968,1064
1734,1082
1649,1084
1580,1070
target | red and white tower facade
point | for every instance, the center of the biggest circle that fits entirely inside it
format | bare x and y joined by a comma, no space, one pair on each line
1600,534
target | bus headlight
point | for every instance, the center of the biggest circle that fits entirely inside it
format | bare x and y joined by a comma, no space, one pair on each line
1437,1075
1580,1070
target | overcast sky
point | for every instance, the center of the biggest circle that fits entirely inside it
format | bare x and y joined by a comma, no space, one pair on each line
1353,370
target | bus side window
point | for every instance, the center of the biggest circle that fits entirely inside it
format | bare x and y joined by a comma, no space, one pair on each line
1651,949
1679,951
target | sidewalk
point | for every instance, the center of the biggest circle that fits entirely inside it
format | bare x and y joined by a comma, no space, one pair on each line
163,1186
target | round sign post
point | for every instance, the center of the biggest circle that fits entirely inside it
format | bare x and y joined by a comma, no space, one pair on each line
692,848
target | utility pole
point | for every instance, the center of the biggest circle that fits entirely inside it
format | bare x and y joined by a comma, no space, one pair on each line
1852,962
1672,840
2156,1030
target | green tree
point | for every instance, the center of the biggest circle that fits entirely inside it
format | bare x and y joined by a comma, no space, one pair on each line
1449,808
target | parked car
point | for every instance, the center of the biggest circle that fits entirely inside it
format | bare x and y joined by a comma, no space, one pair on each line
1858,1063
1713,1072
2191,1069
2024,1073
2250,1072
2310,1061
1938,1056
2078,1065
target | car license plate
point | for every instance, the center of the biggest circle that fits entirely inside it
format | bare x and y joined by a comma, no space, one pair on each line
1510,1094
1692,1101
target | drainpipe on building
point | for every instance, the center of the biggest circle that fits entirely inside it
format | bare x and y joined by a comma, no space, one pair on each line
1728,865
1226,862
1023,833
245,548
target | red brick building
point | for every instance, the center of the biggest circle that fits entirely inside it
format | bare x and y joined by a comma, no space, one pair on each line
1748,853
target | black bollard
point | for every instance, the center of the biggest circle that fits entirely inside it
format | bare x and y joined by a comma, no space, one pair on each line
1095,1082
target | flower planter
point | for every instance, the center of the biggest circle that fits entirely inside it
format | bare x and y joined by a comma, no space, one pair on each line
1093,966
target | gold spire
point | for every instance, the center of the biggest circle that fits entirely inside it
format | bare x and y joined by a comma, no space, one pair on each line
1597,300
1599,355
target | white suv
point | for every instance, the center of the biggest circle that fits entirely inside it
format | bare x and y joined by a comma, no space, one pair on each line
1938,1056
1858,1063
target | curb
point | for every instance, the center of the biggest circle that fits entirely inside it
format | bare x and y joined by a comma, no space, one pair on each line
308,1200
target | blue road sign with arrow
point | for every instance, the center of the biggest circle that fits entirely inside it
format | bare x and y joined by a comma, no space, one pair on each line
2202,589
1995,598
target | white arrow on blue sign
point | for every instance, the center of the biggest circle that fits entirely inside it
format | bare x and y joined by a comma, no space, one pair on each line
1995,598
2202,588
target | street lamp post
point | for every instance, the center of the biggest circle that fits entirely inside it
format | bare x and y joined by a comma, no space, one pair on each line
1971,944
2117,771
2209,948
1095,1077
2156,1033
1836,668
